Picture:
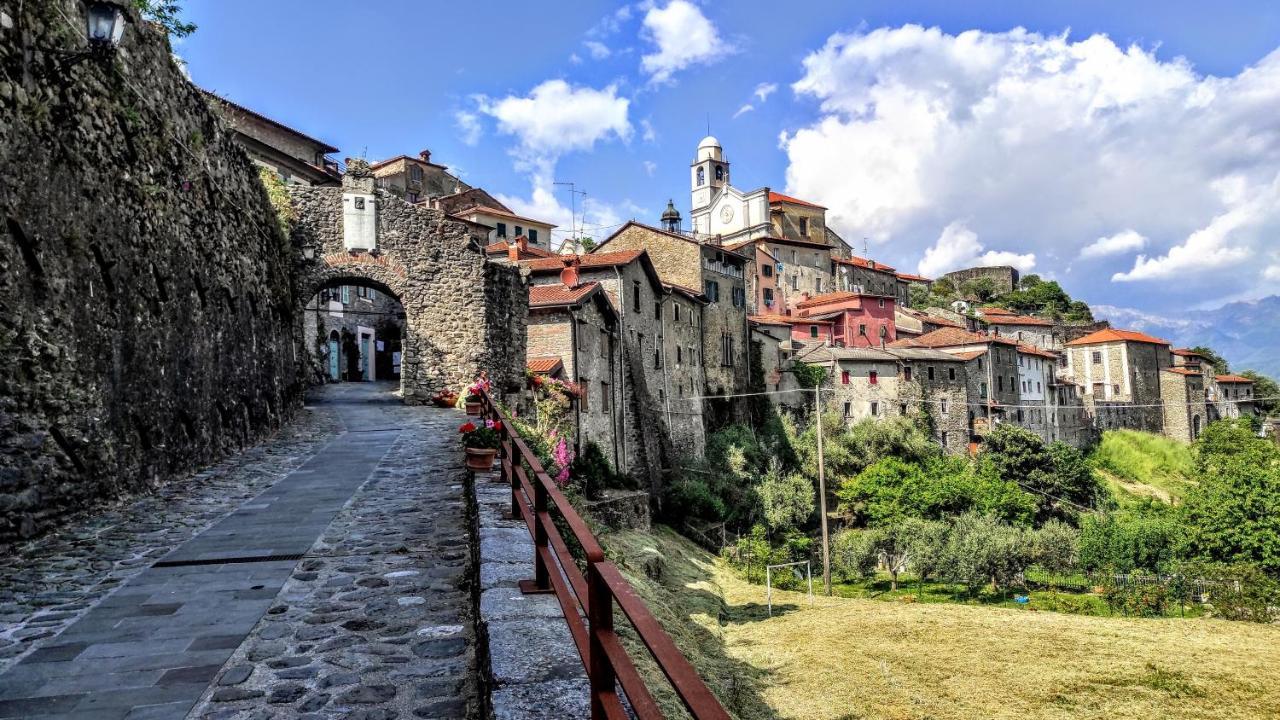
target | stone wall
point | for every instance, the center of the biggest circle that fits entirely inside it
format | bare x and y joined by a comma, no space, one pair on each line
146,297
1005,277
463,313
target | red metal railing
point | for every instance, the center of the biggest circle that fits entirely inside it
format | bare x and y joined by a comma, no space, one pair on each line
592,596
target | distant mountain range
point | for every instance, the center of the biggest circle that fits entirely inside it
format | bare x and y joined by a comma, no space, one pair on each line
1247,334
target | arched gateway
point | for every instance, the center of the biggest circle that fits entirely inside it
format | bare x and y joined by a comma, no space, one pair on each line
463,313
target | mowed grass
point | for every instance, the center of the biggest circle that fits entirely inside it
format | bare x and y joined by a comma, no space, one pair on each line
858,658
1145,465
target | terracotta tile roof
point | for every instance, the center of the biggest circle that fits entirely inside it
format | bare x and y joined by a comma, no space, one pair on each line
607,259
1033,350
320,144
995,311
560,295
786,320
687,292
1011,319
1186,352
856,261
388,161
967,356
834,297
782,241
951,337
544,364
914,278
780,198
529,253
486,210
1183,371
1112,335
1233,379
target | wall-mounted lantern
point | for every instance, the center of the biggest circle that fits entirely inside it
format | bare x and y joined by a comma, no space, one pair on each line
309,252
105,22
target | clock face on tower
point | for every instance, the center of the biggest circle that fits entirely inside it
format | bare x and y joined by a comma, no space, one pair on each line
726,214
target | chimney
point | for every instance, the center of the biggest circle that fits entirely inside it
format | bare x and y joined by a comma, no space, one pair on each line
569,275
513,252
425,155
522,242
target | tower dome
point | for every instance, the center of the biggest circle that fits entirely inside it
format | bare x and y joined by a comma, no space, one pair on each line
709,148
671,217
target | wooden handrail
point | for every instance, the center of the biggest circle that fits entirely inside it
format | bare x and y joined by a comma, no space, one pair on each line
538,502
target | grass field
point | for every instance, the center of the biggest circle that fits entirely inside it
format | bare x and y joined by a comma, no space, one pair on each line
1138,464
840,659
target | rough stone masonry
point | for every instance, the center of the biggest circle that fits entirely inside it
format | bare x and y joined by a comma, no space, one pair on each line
147,309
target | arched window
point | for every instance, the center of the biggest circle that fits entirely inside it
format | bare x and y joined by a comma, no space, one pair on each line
719,173
702,177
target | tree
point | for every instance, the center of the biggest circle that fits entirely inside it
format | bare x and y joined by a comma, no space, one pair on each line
1265,388
165,13
899,544
853,554
981,289
588,243
1140,540
1057,550
1218,362
1058,474
1233,513
787,499
981,549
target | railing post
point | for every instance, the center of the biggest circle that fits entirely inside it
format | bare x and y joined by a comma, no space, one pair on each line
509,463
541,577
600,673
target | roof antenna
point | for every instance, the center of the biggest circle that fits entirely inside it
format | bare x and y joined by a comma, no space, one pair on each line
708,123
864,247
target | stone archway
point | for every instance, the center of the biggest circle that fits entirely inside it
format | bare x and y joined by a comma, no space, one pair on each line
331,336
463,313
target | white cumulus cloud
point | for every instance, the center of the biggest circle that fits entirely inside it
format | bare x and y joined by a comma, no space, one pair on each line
958,247
556,117
598,50
1044,143
682,36
469,125
1122,242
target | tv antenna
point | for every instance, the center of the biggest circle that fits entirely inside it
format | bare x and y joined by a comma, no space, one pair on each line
574,192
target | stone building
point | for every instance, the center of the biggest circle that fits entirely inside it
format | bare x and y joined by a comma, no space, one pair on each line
573,334
1183,396
1118,372
356,331
148,322
857,274
1228,396
720,277
991,371
463,313
658,430
909,322
416,178
1036,371
1039,332
297,158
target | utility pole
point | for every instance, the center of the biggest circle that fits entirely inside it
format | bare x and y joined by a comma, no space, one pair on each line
822,495
574,192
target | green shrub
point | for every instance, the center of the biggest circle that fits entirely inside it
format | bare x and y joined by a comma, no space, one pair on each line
593,473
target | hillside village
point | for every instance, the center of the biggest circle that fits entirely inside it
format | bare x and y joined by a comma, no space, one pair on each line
661,324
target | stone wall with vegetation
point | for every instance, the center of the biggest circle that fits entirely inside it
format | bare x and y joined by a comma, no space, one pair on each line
146,310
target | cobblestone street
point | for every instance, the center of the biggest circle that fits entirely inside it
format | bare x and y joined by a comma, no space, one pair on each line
324,573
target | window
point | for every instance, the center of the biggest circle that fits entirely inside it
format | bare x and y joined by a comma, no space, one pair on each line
533,236
635,296
804,226
979,363
766,270
984,390
726,350
817,284
1013,383
844,377
906,373
702,177
1039,387
412,197
768,296
951,373
902,408
502,230
944,438
875,409
884,331
679,355
795,257
346,295
712,290
519,231
1019,414
848,409
605,400
862,329
604,343
813,331
657,311
739,297
930,372
583,387
675,312
415,173
1097,357
719,172
874,378
795,282
881,302
943,407
657,355
582,335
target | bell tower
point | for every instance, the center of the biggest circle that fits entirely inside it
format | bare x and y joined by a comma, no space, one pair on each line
708,173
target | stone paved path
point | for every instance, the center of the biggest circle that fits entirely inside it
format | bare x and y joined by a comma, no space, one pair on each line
372,622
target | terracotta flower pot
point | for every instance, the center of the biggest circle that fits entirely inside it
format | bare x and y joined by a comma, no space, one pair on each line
473,408
481,458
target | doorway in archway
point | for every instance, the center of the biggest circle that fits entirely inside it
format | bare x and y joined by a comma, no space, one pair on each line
356,327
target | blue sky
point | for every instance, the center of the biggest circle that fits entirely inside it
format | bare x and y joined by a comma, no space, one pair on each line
1101,161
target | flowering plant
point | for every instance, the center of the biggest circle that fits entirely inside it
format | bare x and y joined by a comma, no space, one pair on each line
561,459
481,437
445,398
480,385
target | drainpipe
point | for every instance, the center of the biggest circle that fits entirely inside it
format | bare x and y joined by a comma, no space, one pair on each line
659,347
577,410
